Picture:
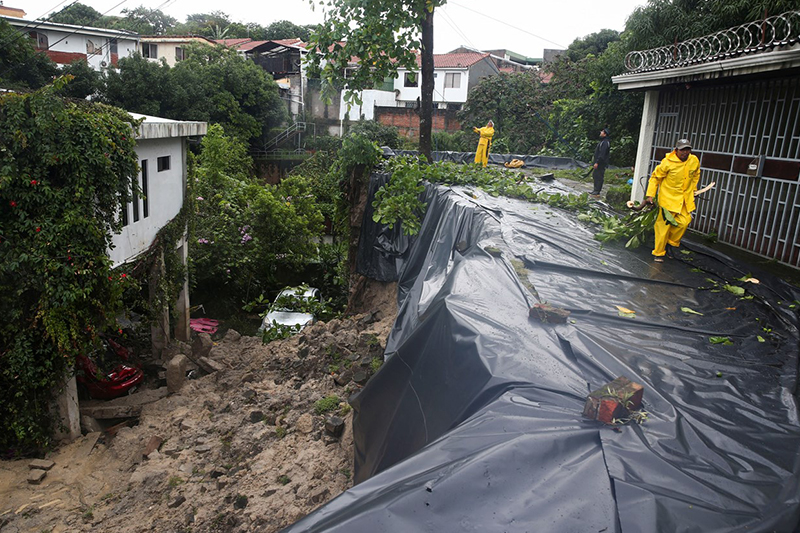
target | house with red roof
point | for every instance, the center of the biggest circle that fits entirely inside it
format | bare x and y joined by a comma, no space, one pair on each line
454,73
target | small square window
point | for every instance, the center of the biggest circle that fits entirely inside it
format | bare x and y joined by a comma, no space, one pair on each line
179,53
163,163
410,80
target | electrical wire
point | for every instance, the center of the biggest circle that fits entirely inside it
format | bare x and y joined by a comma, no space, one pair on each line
506,23
450,22
50,46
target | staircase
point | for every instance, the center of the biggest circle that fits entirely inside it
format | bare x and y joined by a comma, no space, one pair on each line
297,127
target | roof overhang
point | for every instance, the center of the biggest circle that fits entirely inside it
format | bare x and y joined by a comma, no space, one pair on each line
758,63
163,128
33,25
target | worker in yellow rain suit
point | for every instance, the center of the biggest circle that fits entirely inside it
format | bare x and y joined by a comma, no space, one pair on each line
487,132
675,180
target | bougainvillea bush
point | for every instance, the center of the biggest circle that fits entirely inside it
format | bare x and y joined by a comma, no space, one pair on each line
65,170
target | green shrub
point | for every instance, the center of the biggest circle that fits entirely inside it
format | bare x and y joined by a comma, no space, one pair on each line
326,404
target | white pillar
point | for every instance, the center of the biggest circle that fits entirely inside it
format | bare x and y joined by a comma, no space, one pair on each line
68,411
645,149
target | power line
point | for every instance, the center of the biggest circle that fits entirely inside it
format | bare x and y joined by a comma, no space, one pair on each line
49,46
507,24
450,22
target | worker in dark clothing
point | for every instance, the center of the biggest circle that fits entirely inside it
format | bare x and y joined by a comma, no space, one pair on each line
601,156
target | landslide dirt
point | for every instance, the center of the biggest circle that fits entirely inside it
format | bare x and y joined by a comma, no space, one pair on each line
242,449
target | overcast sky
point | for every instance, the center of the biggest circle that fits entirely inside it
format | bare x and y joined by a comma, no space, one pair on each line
523,26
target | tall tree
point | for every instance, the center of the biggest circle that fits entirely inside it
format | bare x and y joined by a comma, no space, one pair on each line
662,22
77,14
383,37
283,29
146,21
213,84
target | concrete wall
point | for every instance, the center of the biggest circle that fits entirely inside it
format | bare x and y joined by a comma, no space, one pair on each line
370,100
480,70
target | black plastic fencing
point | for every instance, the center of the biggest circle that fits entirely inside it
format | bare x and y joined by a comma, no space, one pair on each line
474,421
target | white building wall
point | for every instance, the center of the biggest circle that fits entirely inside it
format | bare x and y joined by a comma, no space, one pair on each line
73,40
440,94
164,197
370,99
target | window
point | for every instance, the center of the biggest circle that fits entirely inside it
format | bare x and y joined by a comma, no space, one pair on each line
410,80
112,46
150,50
145,201
91,48
124,214
163,163
452,80
179,53
39,40
135,202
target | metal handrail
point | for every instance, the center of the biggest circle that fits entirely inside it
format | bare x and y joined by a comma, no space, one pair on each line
285,134
779,30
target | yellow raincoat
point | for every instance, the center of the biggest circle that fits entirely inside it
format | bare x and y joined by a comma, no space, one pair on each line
675,181
482,154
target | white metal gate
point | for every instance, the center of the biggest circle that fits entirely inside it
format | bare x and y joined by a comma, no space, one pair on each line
731,127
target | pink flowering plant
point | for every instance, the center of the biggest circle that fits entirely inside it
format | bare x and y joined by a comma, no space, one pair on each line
246,232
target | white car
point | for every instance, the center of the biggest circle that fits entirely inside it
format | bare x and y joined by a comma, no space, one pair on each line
284,309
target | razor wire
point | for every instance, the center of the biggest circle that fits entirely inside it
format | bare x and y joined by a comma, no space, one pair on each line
779,30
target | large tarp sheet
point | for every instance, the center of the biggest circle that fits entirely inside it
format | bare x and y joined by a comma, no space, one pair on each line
474,421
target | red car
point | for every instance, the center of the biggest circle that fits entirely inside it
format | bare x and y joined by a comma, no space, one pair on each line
101,384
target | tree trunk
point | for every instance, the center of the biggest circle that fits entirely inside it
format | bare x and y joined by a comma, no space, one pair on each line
426,108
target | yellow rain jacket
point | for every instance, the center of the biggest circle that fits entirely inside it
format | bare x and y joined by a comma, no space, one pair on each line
482,153
675,181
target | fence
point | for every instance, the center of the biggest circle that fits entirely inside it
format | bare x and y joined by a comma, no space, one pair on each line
733,127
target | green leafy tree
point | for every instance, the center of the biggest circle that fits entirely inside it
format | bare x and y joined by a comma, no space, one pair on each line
516,103
378,133
22,67
65,171
384,36
205,23
140,86
145,21
594,44
77,14
283,29
247,234
212,84
86,81
662,22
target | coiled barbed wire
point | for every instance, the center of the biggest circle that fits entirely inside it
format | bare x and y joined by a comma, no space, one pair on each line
780,30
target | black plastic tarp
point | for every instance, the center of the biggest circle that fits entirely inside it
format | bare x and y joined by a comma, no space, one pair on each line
474,421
